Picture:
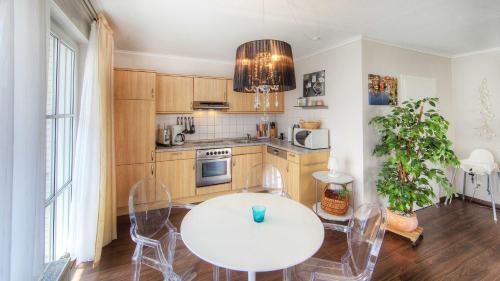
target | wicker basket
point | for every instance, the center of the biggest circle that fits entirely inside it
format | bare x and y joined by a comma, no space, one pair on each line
311,124
333,204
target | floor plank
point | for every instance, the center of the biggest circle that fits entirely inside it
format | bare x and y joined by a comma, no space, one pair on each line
461,242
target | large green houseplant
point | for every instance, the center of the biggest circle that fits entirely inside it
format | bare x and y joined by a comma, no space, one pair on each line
415,144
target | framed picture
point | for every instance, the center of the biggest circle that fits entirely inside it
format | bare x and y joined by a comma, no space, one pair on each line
382,90
314,84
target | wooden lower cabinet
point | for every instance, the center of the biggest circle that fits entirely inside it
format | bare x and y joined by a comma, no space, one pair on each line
293,181
127,176
297,171
242,169
178,176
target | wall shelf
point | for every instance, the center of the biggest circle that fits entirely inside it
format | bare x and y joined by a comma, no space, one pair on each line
312,106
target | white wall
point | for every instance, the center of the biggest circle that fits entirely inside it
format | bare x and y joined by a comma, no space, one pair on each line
210,125
173,64
393,61
343,117
467,74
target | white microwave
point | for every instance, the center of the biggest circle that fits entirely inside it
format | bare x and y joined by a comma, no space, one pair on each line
311,138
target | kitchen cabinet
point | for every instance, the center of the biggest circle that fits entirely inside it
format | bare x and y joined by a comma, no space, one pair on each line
241,170
274,157
272,103
134,131
297,170
239,102
135,85
210,89
134,125
174,94
178,176
127,176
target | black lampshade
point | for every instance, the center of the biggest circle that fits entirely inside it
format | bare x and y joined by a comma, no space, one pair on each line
264,62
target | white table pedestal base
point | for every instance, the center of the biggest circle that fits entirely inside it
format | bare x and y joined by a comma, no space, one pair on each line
251,276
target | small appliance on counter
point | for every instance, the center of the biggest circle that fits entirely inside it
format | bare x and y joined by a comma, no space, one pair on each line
177,135
311,138
163,136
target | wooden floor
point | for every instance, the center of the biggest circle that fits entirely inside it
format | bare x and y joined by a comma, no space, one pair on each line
461,243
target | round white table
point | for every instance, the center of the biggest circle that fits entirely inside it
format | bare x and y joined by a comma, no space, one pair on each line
222,232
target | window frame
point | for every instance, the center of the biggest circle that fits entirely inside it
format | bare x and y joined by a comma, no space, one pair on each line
58,191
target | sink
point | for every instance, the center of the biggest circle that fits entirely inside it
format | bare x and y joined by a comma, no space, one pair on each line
244,141
252,140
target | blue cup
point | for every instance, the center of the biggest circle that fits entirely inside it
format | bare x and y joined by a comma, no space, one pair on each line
258,212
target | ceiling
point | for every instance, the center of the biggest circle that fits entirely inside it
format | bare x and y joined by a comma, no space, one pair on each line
213,29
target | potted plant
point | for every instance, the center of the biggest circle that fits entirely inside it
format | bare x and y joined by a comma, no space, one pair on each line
416,147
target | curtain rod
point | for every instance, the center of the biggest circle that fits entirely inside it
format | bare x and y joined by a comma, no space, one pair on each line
90,9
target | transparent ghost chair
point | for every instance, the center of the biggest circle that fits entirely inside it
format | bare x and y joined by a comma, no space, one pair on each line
158,244
365,233
267,178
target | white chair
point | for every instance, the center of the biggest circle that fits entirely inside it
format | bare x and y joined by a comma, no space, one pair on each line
155,236
480,163
365,233
266,178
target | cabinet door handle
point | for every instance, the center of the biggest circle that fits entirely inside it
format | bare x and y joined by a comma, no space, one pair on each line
234,163
152,92
152,156
194,167
152,170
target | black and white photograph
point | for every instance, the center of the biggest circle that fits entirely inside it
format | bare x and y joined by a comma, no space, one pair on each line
314,84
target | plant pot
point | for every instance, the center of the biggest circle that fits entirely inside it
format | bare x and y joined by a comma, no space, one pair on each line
401,222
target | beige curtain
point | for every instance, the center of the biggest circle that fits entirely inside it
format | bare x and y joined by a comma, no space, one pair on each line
106,224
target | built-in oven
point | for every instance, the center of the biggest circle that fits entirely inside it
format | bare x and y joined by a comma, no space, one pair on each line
213,166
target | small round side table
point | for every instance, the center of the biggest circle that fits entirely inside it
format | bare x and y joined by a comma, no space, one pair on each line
341,179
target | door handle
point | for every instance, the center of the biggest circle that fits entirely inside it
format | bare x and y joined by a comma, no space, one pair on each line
234,163
152,170
152,156
194,167
152,92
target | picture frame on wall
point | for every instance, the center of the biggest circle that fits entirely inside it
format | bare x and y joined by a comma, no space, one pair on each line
382,90
314,84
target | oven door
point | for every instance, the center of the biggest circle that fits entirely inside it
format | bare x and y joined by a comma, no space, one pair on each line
213,171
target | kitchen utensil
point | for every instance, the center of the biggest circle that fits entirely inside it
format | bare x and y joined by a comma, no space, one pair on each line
193,129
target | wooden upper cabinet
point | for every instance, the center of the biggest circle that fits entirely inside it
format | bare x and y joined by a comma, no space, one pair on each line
134,131
209,89
134,85
272,103
174,94
239,102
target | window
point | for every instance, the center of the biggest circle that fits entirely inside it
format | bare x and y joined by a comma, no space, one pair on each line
60,140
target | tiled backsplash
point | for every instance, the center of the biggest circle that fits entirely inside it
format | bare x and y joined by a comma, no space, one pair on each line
216,124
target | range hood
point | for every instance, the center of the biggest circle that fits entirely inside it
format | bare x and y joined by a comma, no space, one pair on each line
205,105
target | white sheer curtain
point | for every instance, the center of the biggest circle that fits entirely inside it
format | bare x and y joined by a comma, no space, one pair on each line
86,171
23,59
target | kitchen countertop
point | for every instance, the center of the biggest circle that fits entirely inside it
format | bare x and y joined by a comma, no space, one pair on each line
207,144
